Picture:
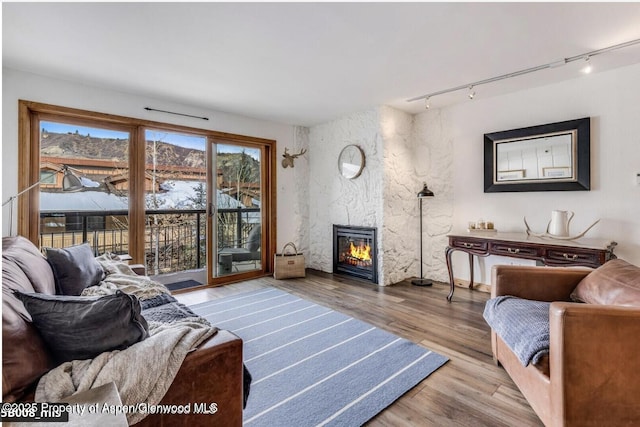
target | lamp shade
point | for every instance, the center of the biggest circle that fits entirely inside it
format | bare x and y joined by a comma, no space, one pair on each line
70,181
425,192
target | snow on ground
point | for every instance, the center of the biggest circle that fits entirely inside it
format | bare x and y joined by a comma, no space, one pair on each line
180,195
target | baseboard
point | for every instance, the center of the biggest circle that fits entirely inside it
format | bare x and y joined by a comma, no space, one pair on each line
476,286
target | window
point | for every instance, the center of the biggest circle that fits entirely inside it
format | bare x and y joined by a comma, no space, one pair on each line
47,177
144,188
75,158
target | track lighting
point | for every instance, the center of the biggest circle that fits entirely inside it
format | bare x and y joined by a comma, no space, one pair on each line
426,103
587,65
555,64
472,93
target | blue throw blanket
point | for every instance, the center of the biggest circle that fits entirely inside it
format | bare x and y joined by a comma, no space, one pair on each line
165,308
522,324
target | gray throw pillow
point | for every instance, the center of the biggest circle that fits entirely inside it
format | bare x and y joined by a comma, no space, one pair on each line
74,268
78,328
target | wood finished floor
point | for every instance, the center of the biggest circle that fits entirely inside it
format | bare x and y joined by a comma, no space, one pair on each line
469,390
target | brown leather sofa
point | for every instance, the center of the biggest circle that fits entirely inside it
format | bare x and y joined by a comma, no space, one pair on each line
591,376
213,373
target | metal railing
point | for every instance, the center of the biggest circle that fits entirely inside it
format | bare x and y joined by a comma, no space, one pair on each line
174,239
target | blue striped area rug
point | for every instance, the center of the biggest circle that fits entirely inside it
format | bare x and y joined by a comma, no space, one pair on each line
313,366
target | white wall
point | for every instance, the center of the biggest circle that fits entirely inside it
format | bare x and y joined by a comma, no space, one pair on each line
610,99
383,196
298,212
433,164
399,242
443,147
21,85
335,199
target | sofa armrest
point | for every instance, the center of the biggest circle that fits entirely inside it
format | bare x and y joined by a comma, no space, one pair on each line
210,374
594,363
535,283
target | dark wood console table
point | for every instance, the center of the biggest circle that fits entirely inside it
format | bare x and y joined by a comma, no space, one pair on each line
552,252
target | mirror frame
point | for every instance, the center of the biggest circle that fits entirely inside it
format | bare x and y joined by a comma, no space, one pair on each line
581,161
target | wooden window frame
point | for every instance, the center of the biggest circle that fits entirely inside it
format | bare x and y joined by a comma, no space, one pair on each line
31,113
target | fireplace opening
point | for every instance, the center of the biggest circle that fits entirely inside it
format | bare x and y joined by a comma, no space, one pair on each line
355,252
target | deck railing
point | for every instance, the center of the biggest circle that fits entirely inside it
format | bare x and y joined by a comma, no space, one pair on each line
174,239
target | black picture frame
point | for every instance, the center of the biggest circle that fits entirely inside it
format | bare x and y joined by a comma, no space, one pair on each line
580,182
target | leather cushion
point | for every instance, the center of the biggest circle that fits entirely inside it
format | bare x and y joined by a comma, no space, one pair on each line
25,357
615,283
75,268
27,256
78,328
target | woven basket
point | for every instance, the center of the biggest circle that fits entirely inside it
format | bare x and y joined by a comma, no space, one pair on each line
288,265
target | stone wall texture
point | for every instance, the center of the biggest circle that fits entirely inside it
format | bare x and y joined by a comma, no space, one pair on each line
398,160
400,221
433,159
301,183
334,199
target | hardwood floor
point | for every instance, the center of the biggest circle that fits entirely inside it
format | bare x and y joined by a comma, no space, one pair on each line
469,390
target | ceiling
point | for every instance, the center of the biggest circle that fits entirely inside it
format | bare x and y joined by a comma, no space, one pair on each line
308,63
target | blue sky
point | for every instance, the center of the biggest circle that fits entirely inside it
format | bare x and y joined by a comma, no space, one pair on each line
82,130
182,140
188,141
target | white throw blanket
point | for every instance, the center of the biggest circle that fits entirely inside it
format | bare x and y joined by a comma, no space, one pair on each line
142,372
121,277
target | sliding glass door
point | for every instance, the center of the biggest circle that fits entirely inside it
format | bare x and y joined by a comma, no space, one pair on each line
175,198
236,212
175,202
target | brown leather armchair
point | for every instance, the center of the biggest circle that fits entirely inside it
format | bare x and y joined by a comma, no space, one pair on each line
592,374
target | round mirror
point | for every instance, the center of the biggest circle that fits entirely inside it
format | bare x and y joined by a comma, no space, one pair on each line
351,161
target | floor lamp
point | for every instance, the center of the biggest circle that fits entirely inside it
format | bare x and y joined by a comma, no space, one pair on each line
70,182
424,193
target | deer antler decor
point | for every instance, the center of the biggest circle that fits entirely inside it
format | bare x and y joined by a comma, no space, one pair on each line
288,158
546,233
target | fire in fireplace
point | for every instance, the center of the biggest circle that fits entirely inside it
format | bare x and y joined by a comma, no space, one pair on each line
354,252
358,254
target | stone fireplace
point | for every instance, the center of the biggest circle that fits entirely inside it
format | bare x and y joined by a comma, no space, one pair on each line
398,161
355,252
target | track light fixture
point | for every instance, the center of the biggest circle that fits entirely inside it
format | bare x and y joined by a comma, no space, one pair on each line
555,64
472,93
426,103
587,65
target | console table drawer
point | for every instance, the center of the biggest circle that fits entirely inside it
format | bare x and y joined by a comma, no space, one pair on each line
515,250
470,245
573,257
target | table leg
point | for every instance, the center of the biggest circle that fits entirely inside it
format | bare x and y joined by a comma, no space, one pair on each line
447,255
471,270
